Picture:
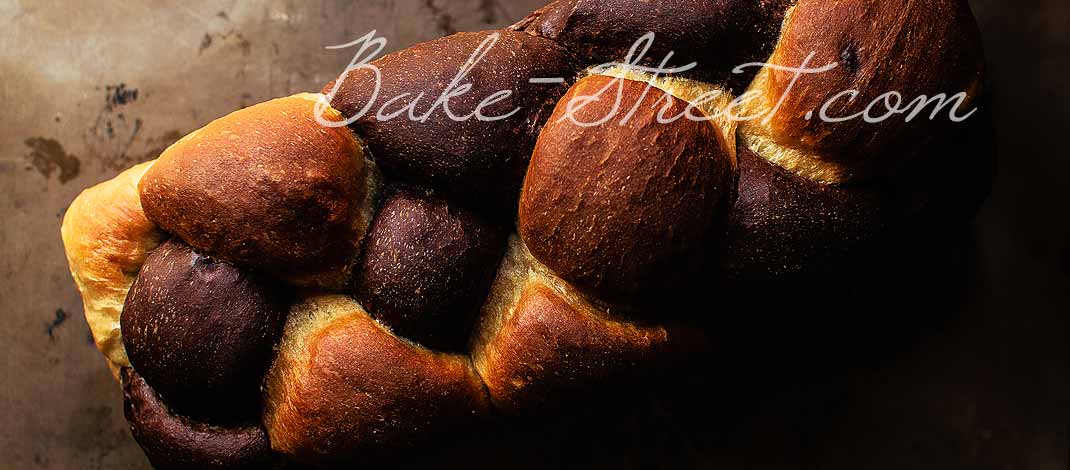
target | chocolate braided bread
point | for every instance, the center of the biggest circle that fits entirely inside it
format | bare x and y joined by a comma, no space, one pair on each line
272,289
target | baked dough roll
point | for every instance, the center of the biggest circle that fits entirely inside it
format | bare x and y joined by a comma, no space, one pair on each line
494,113
426,267
344,388
715,35
107,237
175,442
201,332
629,185
268,188
541,344
914,48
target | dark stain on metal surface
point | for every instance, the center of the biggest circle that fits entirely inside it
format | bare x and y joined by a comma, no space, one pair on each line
229,37
487,10
112,133
93,430
243,44
156,146
119,95
443,20
206,42
61,317
111,137
159,143
47,155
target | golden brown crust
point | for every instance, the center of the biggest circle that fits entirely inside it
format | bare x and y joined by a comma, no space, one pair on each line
268,188
343,386
107,238
711,101
620,208
913,47
540,343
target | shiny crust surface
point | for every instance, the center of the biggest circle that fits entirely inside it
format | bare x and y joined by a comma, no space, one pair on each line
621,229
912,47
267,188
621,208
541,344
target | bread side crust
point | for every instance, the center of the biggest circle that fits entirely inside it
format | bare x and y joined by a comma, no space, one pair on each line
541,340
107,237
875,48
343,386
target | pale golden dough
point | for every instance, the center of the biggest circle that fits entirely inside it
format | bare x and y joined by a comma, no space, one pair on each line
107,237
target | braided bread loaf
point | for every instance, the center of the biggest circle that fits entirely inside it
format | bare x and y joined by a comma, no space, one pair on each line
271,289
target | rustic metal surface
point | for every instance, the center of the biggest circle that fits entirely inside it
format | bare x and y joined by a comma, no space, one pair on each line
92,86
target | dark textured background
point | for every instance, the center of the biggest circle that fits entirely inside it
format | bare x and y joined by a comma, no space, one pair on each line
90,87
